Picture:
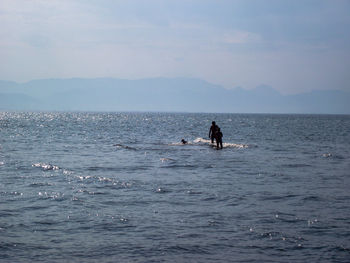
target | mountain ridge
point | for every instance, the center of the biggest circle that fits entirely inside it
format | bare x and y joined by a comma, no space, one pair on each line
163,94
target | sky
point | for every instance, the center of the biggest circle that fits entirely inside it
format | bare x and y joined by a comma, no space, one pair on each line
292,46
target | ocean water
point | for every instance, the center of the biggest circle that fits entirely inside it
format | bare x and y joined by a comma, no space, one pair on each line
120,187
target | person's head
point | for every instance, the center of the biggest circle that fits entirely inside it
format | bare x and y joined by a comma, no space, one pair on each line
213,122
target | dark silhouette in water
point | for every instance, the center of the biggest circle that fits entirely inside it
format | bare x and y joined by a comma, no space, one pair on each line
184,141
212,131
219,138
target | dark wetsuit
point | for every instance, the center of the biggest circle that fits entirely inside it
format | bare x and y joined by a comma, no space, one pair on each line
212,132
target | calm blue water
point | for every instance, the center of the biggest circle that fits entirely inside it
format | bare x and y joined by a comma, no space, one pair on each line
119,187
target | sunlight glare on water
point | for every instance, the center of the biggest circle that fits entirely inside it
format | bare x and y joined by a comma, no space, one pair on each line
112,187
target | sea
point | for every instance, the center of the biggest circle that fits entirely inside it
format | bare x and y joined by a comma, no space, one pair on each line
121,187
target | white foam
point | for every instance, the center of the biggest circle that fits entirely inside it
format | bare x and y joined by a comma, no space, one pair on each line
46,166
105,179
201,140
166,159
225,144
180,143
67,172
81,177
176,143
234,145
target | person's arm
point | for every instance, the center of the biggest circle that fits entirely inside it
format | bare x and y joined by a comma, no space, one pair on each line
209,132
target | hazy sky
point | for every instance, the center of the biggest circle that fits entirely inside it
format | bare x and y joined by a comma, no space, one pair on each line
290,45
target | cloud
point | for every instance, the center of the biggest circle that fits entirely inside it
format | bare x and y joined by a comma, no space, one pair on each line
289,45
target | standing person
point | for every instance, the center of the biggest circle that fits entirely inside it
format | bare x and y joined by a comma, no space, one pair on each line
219,138
212,131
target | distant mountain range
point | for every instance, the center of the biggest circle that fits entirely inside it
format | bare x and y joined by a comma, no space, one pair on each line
162,94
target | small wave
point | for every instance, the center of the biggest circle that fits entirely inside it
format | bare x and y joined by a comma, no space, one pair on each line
15,193
191,249
296,165
161,190
179,143
40,184
202,140
67,172
332,156
310,222
225,144
124,146
45,166
185,166
2,163
193,192
166,160
82,177
58,196
312,198
234,145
